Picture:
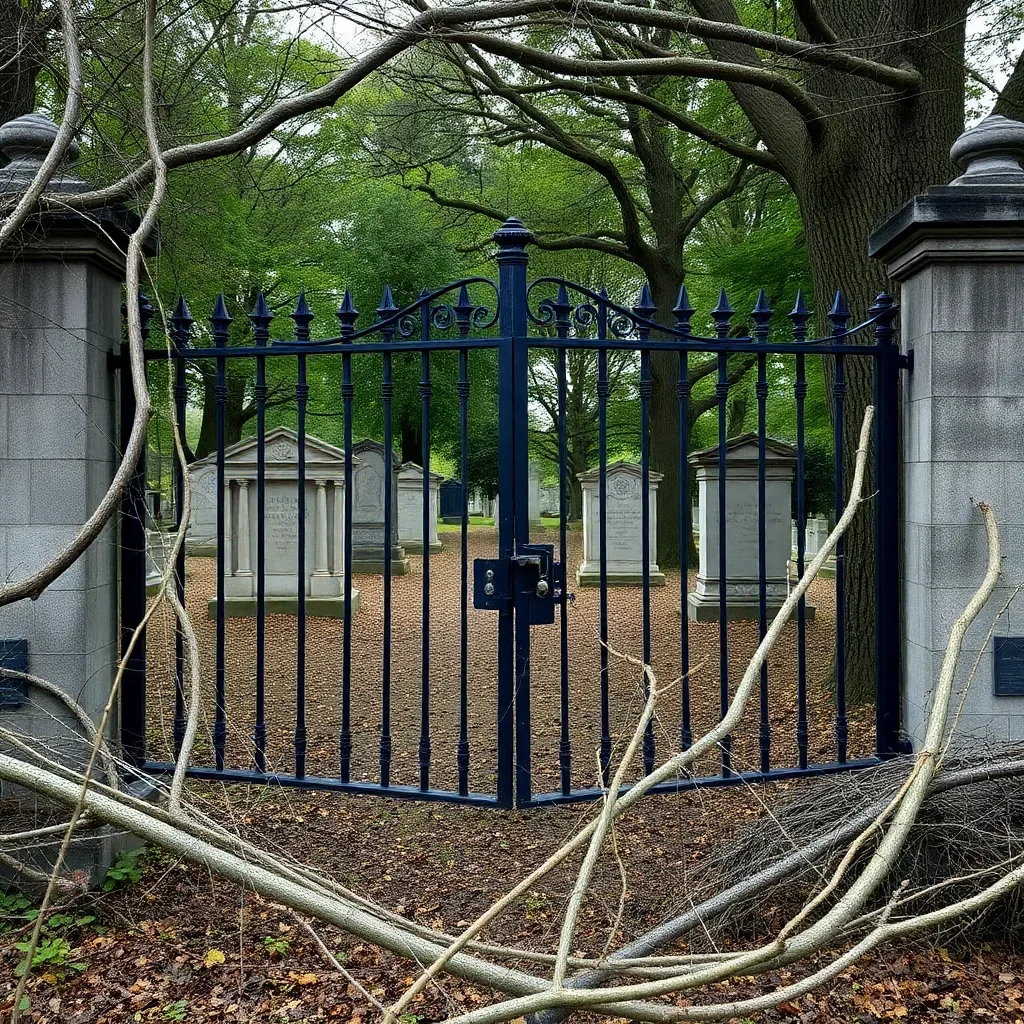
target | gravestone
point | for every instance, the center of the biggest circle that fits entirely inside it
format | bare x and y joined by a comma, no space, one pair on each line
368,546
549,501
623,527
324,582
534,495
742,562
202,520
450,499
815,534
158,549
410,508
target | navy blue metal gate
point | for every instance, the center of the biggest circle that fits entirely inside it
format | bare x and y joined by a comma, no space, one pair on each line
525,584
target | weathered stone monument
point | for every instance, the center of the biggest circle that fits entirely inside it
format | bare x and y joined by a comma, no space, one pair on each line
61,285
324,579
623,527
368,543
742,562
534,495
410,508
816,532
202,520
958,253
158,549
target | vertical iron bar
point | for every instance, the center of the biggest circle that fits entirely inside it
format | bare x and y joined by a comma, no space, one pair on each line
302,318
761,316
605,749
838,317
424,746
385,310
645,309
220,322
561,309
261,318
462,755
722,314
799,317
347,315
133,567
887,610
683,313
464,313
512,238
181,325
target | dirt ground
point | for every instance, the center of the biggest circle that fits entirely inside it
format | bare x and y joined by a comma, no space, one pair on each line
173,943
323,669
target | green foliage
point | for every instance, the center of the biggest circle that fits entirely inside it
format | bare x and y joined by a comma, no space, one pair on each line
55,952
15,910
276,945
175,1011
125,871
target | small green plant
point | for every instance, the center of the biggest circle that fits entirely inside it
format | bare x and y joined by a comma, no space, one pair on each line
175,1010
125,871
276,945
53,954
15,910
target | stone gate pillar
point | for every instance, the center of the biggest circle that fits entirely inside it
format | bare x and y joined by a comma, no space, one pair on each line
60,323
958,253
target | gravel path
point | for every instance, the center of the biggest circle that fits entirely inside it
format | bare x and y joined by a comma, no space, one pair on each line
324,671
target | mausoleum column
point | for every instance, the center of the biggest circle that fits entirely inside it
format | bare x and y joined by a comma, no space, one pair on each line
321,528
229,518
339,528
958,254
244,568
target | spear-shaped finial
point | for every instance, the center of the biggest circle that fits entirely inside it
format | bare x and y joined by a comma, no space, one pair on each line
722,314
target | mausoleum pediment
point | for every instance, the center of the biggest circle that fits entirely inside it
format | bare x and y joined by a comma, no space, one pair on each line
281,456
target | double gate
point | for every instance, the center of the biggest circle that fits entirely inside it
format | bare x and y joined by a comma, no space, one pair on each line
477,659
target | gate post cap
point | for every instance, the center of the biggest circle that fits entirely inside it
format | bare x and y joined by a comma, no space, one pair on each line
513,234
991,152
25,142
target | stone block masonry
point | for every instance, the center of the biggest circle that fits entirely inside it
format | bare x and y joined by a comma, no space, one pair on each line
958,254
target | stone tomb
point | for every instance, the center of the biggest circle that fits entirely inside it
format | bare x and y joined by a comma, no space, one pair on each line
534,495
324,582
623,527
742,585
368,547
410,508
202,520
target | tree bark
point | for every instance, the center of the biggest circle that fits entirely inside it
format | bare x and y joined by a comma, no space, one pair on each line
24,31
235,416
874,151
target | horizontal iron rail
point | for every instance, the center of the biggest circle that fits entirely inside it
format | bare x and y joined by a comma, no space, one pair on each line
293,348
781,348
243,777
705,781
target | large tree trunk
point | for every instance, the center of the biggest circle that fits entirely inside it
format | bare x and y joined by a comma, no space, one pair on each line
234,414
23,37
872,159
871,152
665,431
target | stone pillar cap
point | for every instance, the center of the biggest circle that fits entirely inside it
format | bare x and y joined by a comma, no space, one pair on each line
25,142
991,152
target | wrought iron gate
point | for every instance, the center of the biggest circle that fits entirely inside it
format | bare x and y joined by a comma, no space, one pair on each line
522,589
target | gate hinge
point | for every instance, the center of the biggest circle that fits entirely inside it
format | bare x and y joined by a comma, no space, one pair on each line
906,362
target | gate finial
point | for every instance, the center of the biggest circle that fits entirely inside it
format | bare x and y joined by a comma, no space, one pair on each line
991,151
513,234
